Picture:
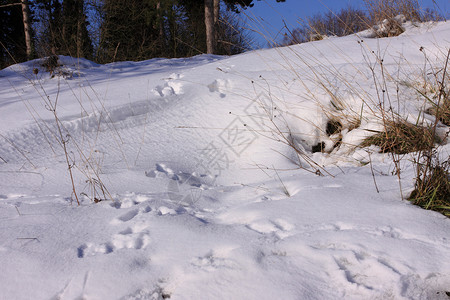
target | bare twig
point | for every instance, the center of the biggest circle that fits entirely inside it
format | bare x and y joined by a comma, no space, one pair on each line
285,190
17,210
62,139
12,4
373,175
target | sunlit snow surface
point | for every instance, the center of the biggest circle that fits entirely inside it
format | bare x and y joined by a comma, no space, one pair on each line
207,202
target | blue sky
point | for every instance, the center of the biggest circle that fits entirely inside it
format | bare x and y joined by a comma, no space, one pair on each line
271,14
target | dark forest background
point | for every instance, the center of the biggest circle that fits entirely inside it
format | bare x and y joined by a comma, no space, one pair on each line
116,30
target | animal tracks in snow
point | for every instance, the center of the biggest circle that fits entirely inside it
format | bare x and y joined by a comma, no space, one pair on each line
133,223
363,270
220,86
170,87
131,239
182,188
191,179
128,215
213,260
279,227
293,239
135,235
251,219
90,249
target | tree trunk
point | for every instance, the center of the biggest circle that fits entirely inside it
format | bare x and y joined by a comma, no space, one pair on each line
216,23
172,40
209,22
26,27
161,35
80,22
160,19
216,11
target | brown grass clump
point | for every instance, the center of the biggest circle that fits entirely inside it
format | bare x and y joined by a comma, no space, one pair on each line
444,116
380,10
386,17
389,27
347,21
442,112
402,137
432,187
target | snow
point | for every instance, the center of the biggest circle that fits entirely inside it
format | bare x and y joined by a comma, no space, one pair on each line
208,201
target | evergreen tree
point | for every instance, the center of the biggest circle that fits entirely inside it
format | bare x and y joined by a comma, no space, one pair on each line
131,30
50,40
77,42
137,30
12,35
233,4
195,40
212,21
64,28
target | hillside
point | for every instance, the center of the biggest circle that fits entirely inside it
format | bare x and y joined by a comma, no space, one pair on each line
211,189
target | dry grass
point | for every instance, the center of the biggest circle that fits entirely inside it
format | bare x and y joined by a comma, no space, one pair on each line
401,137
432,187
347,21
78,158
380,10
441,112
444,116
384,17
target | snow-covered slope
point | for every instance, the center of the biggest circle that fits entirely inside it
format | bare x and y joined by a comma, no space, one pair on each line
208,201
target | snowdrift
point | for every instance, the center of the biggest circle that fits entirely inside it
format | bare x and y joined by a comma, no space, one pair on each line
206,196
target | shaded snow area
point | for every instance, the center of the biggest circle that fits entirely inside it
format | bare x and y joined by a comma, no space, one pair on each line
205,197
